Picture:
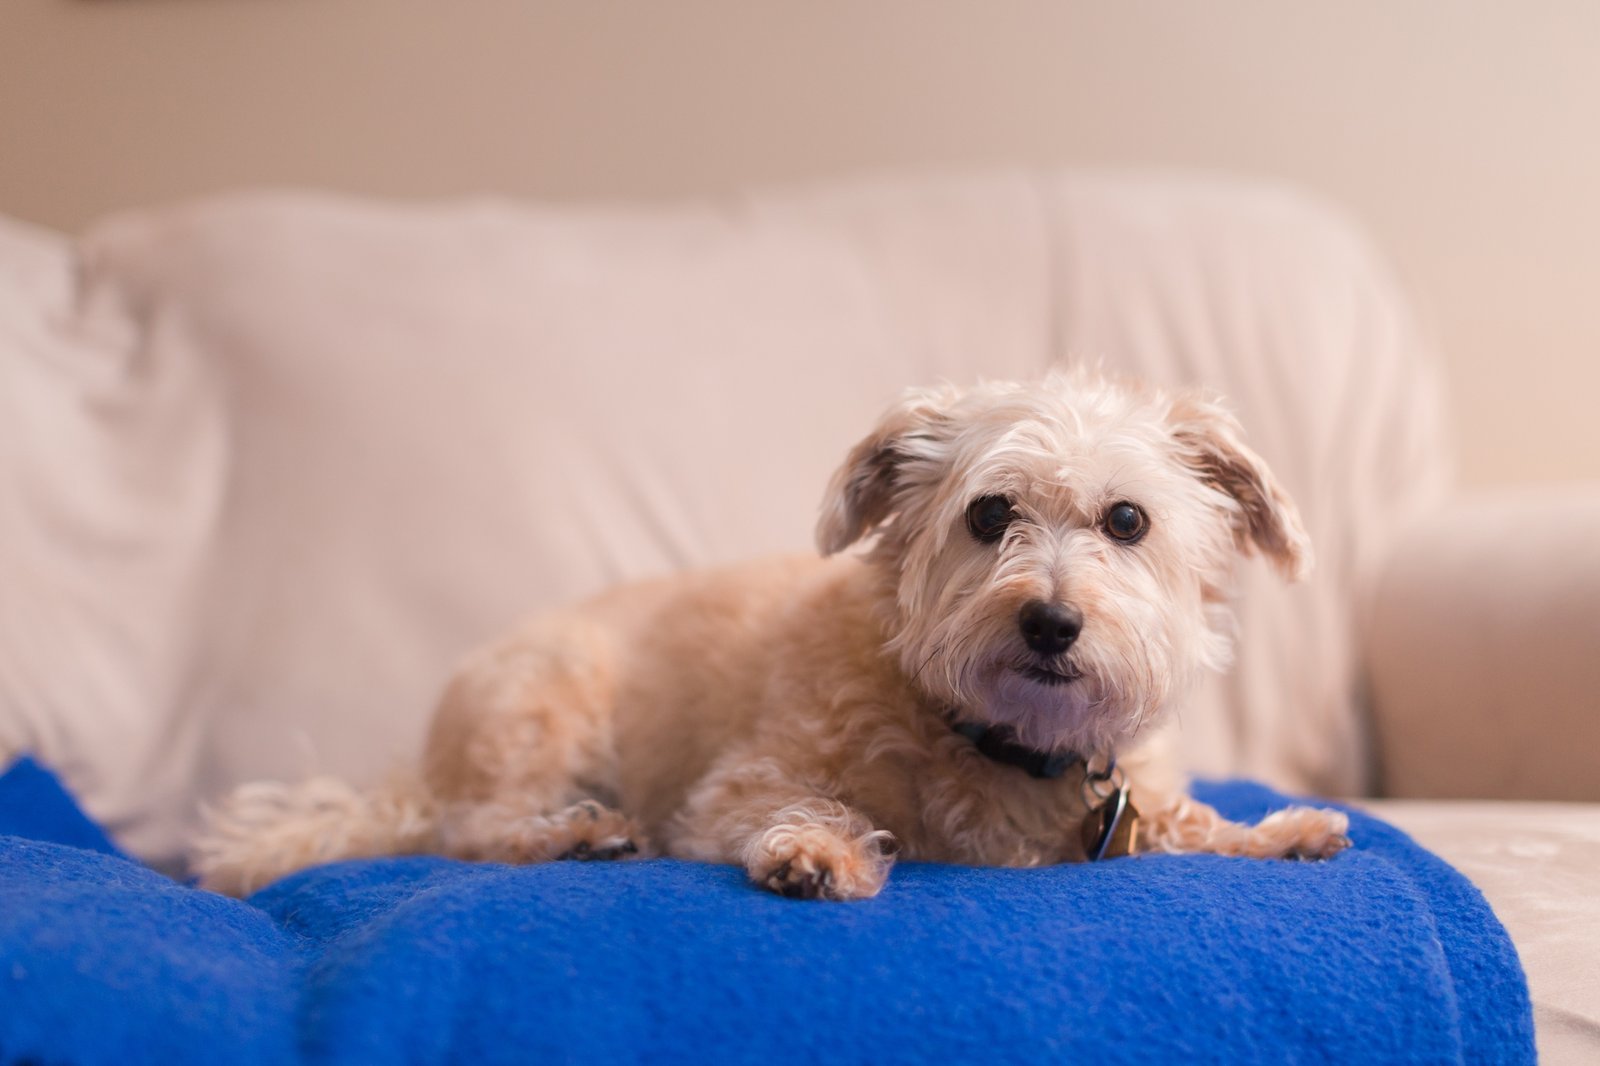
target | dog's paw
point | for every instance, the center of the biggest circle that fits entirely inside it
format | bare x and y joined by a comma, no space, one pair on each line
586,830
596,833
1301,833
816,862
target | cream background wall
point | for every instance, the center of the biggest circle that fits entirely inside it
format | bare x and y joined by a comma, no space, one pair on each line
1464,133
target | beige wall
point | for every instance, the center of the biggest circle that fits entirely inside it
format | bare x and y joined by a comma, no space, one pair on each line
1466,133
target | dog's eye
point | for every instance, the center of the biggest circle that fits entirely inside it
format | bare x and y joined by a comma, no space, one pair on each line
988,517
1126,523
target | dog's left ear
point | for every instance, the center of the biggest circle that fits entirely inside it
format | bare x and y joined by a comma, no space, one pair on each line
861,494
1211,442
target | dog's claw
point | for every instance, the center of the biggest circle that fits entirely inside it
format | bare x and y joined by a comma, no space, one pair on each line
618,850
801,888
790,884
583,851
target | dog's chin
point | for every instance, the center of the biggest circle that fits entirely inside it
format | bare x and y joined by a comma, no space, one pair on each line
1051,708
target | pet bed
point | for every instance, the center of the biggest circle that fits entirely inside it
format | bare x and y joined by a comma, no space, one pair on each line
1381,954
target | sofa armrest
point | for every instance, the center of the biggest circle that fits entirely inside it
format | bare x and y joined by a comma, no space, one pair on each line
1483,650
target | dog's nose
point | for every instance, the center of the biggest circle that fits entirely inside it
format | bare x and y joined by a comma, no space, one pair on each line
1049,628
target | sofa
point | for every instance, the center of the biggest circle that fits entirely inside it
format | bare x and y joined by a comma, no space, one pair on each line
273,460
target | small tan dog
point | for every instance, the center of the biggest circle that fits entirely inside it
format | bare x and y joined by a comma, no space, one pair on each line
1049,578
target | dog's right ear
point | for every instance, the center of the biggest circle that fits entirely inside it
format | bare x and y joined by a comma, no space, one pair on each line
861,494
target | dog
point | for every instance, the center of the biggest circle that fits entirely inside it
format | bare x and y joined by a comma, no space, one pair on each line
991,682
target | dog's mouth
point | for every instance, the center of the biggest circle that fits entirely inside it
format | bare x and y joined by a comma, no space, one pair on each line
1051,676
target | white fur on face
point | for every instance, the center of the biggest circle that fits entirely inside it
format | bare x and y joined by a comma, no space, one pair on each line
1064,452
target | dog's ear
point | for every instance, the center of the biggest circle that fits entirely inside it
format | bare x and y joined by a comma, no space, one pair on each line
861,494
1211,442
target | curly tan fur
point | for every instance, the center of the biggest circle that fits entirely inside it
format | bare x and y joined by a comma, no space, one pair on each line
794,716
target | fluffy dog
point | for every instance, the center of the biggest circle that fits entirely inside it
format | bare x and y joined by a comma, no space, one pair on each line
1047,578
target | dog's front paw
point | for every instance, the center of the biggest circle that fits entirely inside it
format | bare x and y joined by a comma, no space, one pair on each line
1301,833
816,862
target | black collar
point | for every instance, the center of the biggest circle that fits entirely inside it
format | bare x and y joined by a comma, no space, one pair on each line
999,743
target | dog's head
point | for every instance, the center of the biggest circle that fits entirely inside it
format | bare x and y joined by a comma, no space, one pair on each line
1059,552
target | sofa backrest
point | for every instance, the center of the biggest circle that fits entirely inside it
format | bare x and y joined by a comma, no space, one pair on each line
276,459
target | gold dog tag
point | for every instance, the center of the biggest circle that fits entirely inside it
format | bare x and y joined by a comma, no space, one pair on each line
1108,831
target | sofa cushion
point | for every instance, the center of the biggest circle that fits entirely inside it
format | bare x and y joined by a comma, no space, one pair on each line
109,462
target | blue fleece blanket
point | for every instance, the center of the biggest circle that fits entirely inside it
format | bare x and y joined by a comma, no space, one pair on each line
1384,954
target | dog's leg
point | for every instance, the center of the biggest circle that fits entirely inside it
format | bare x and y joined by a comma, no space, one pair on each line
790,840
1293,833
521,747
